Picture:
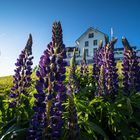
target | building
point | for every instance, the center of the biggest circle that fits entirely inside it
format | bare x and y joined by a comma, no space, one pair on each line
89,40
69,51
118,52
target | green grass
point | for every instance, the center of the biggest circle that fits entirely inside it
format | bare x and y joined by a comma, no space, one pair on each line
6,82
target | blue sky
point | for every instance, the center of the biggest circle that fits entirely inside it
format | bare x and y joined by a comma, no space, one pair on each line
18,18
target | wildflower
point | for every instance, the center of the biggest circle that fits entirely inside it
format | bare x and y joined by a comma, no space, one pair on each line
22,77
101,82
130,69
60,53
72,88
111,76
39,120
50,89
108,72
96,66
84,67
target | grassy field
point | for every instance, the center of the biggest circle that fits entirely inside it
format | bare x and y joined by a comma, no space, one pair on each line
6,82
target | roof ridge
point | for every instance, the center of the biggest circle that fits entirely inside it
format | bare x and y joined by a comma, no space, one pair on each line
90,28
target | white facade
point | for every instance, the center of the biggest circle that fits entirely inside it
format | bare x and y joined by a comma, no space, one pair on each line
90,41
118,53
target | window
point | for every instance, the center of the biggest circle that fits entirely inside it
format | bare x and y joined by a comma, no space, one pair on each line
90,35
86,52
94,42
86,43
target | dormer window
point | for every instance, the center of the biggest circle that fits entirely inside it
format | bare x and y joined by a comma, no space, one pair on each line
90,35
86,44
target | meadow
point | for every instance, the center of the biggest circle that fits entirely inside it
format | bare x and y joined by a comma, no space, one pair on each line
59,102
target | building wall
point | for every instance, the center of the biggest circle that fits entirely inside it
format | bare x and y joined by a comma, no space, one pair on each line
118,53
90,48
97,36
80,44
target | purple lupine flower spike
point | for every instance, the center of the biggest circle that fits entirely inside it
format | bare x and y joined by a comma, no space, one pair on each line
72,79
101,82
50,89
96,66
58,86
111,76
72,88
109,70
39,120
106,40
130,69
84,67
22,77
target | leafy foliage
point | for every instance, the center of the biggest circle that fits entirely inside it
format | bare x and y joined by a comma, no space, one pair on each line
97,117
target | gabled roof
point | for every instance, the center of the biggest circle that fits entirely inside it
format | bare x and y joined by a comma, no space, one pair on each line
90,29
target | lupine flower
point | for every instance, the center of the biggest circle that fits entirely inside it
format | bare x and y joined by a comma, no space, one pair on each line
22,77
39,120
109,71
73,83
111,76
73,127
73,77
100,90
57,37
97,62
130,69
96,66
101,82
84,67
106,40
101,51
50,89
60,53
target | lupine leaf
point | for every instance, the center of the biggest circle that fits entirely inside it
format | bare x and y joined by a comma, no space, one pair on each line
130,109
95,128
